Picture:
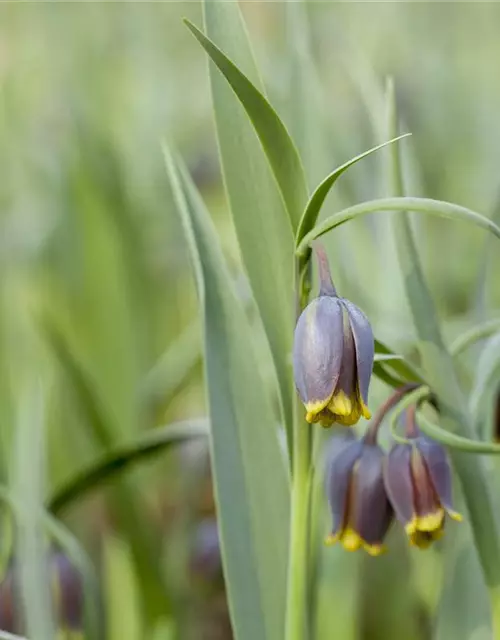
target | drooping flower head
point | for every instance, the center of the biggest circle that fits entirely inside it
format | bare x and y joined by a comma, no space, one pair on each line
418,480
361,511
333,356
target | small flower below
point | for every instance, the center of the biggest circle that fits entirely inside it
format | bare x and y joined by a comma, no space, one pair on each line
66,591
418,481
361,511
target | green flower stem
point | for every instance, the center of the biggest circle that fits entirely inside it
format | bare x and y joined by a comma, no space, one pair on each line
296,624
411,399
442,378
473,335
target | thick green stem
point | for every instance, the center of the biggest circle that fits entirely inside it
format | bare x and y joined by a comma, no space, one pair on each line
441,375
297,626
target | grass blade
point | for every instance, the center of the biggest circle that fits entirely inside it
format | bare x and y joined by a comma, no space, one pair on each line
119,460
399,204
126,502
78,557
398,364
263,227
278,146
317,199
473,335
249,471
171,371
441,375
27,491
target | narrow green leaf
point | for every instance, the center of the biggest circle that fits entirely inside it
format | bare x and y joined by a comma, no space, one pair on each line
386,376
117,461
454,441
464,611
317,199
126,504
308,121
473,335
487,377
400,204
79,377
480,292
387,357
249,471
404,369
262,225
27,492
440,372
70,545
171,371
436,432
279,147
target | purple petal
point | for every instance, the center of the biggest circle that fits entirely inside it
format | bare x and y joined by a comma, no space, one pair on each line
372,511
8,610
398,482
317,349
438,466
338,478
365,346
347,375
70,591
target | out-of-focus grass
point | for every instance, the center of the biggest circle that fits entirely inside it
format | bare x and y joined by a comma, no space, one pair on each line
88,239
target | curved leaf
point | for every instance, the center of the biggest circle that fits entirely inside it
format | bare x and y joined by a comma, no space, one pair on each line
487,376
387,357
401,205
317,199
386,376
436,432
250,478
279,147
117,461
27,486
438,365
83,564
171,370
398,364
127,503
65,539
473,335
454,441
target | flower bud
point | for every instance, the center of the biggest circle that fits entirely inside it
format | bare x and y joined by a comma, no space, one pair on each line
67,594
418,481
360,509
333,356
206,557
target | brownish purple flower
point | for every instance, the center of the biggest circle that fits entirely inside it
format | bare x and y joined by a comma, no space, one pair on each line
361,511
418,482
333,356
67,594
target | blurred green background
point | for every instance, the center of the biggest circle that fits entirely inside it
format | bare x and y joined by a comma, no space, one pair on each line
99,330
